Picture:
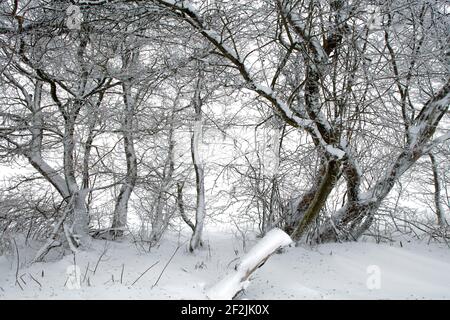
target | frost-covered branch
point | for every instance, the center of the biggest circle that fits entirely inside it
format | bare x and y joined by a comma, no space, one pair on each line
228,287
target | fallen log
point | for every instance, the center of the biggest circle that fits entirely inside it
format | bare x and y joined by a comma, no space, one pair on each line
231,285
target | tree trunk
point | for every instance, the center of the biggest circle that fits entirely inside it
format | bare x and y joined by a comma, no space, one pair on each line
121,208
313,201
180,203
200,210
158,223
437,193
80,219
80,224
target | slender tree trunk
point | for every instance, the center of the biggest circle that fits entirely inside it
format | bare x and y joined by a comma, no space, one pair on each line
275,200
121,208
200,212
180,203
80,219
79,229
437,192
158,221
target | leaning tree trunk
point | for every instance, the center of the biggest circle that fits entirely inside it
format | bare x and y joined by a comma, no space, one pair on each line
312,202
34,153
316,57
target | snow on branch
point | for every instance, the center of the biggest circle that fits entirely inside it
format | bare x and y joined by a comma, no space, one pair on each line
186,11
437,141
228,287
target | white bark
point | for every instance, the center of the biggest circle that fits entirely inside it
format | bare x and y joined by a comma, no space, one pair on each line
442,222
121,208
158,221
80,220
200,213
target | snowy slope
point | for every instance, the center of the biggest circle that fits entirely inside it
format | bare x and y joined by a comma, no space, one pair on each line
331,271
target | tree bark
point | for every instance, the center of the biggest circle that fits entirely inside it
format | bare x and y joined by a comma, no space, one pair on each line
180,203
313,201
200,210
158,221
119,222
437,192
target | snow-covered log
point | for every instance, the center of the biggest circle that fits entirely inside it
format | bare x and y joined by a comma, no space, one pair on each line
234,283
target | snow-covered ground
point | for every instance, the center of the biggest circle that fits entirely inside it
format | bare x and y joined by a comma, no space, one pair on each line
362,270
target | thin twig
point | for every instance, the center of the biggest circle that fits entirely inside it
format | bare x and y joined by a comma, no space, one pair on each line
18,262
85,273
40,285
229,263
173,255
145,272
21,278
100,258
